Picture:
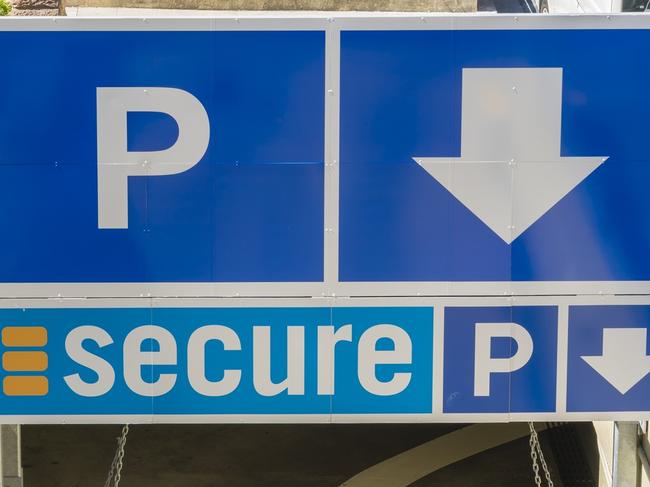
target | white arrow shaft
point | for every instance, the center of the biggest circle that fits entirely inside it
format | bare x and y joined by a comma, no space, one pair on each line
624,343
511,113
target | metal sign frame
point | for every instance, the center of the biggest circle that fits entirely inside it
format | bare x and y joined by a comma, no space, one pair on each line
331,292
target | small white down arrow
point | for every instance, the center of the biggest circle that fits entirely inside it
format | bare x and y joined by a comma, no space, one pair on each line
510,171
624,361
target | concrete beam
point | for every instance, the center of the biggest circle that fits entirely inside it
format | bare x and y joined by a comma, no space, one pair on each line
626,461
333,5
38,8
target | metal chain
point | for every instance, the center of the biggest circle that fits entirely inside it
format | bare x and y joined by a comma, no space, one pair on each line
542,460
111,471
533,457
535,453
115,472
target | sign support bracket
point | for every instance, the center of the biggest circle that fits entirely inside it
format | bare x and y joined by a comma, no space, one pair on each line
626,461
10,455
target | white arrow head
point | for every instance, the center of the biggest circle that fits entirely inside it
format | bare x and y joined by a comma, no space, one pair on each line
509,197
624,361
510,171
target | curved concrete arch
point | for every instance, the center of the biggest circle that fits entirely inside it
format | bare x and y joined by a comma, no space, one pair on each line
409,466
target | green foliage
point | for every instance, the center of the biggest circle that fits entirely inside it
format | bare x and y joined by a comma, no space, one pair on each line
5,7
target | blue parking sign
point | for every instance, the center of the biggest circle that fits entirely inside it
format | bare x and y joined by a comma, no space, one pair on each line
250,207
454,169
608,362
500,359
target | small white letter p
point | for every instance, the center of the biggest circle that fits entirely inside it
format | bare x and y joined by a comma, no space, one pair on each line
485,365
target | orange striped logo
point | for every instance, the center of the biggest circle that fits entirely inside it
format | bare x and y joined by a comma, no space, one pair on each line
22,358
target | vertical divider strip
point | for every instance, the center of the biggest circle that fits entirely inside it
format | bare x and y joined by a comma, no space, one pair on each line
562,357
332,127
438,357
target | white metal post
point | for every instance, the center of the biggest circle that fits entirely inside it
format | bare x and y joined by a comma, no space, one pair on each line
11,474
626,461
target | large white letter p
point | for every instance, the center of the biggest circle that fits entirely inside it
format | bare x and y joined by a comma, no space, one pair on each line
115,163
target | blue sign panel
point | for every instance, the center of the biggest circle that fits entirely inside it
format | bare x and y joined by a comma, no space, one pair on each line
198,156
250,207
500,359
608,361
492,155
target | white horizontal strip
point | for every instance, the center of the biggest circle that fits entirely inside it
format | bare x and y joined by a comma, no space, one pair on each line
344,21
317,289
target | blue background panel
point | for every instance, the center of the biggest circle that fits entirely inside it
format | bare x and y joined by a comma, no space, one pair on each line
587,390
350,397
528,389
244,400
401,97
250,210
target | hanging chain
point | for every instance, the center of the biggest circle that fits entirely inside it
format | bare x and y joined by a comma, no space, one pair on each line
533,457
115,472
535,454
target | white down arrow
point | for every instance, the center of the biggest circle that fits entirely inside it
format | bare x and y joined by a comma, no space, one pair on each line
510,171
624,361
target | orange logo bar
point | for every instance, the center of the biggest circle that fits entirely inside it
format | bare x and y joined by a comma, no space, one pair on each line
24,361
24,336
36,385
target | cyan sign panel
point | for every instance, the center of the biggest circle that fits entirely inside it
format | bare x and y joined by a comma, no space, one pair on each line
219,362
